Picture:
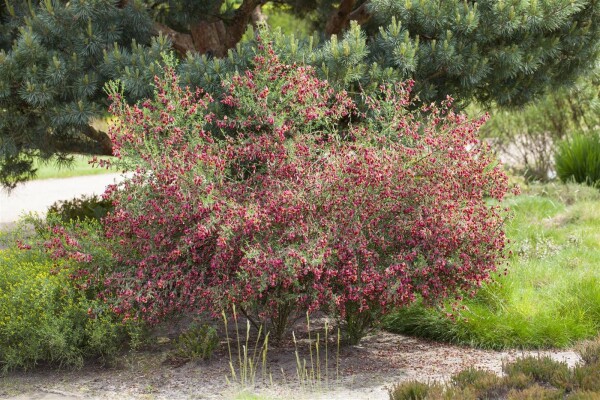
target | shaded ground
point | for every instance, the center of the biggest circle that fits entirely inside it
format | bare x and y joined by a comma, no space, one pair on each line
365,372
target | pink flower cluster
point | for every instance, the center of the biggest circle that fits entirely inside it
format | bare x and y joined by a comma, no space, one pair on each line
285,195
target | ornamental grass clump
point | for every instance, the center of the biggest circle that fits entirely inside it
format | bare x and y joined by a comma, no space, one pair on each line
281,197
578,159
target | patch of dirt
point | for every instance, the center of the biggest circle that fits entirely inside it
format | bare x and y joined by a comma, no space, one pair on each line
364,372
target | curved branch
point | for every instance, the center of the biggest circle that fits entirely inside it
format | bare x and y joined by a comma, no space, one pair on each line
341,18
360,15
218,36
182,42
101,138
239,23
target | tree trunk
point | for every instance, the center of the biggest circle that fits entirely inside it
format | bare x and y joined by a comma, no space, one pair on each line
211,37
215,36
340,19
101,138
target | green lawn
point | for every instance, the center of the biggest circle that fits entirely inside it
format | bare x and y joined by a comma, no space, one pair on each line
79,167
551,294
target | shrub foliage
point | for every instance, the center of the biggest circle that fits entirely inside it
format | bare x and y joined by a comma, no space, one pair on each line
292,200
49,309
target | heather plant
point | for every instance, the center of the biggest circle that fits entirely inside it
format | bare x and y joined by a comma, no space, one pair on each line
590,352
291,200
525,378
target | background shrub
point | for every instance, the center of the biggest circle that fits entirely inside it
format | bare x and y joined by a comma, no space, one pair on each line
45,318
80,208
543,370
413,390
526,138
578,159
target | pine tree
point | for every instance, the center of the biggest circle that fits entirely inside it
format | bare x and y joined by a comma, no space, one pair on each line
52,71
56,55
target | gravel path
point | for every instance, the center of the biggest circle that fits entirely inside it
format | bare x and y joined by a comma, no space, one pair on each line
38,195
365,373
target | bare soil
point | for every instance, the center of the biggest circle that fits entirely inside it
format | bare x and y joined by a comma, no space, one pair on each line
363,372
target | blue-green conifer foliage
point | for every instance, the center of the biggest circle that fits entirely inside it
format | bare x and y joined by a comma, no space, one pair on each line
56,56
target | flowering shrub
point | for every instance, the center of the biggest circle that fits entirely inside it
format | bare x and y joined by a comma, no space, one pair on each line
282,197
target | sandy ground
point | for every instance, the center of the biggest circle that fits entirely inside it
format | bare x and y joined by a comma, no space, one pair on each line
365,373
38,195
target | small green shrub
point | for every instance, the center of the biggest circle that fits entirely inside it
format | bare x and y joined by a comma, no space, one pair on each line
45,318
590,352
543,370
586,377
476,378
578,159
198,342
536,392
49,306
412,390
517,381
80,208
486,384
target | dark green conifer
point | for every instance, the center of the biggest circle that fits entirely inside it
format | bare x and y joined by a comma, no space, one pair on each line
56,55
